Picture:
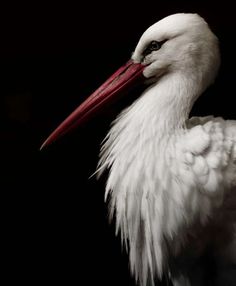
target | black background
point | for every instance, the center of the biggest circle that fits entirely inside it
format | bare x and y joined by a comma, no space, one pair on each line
54,220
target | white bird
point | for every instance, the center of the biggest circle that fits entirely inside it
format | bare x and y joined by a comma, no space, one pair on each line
172,179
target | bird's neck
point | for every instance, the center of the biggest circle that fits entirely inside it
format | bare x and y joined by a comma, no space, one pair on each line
168,102
160,112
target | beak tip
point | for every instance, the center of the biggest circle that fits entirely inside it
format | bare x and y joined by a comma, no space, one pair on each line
43,146
46,143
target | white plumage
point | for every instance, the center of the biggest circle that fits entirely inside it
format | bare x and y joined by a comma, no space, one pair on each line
172,180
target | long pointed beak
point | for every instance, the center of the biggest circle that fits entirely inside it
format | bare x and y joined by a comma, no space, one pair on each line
123,79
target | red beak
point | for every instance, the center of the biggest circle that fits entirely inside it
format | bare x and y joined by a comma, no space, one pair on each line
112,89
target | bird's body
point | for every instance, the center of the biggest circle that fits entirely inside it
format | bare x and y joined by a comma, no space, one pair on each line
174,195
172,180
170,176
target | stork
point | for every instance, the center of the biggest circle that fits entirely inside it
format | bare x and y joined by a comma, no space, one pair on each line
172,179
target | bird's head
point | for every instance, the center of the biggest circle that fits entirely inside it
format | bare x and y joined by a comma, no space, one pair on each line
180,43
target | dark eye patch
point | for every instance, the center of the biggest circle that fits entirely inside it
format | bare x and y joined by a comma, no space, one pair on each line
153,46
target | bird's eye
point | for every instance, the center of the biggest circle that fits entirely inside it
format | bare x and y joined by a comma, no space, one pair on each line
153,46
